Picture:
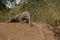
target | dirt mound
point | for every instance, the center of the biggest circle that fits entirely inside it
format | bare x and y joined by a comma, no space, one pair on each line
17,31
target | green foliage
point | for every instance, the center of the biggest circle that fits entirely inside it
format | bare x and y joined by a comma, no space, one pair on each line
44,11
2,6
47,11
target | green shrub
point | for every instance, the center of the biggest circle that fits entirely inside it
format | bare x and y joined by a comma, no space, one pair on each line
47,11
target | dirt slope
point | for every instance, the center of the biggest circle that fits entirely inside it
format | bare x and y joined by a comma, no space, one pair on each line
17,31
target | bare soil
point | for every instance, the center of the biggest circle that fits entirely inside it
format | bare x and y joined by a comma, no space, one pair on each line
18,31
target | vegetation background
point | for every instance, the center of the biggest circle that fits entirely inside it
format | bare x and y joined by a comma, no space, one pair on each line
47,11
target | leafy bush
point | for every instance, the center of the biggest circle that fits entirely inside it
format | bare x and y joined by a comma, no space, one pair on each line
47,11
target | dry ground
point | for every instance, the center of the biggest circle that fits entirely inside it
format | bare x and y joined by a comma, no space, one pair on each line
17,31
